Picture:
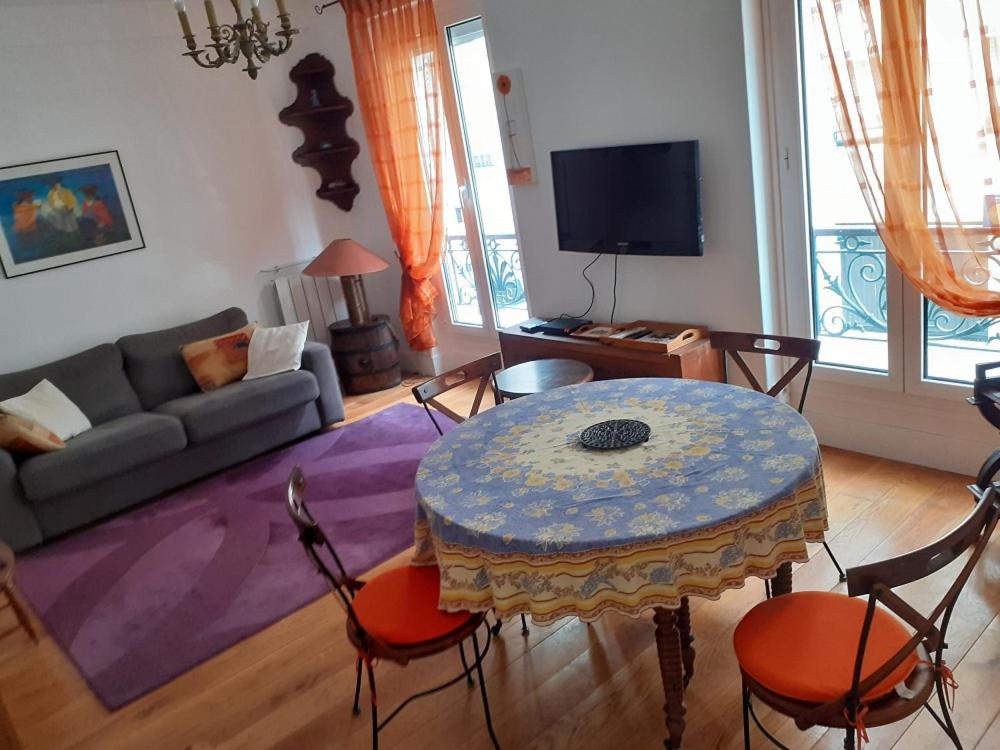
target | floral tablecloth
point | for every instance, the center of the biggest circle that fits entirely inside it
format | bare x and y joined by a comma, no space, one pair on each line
522,518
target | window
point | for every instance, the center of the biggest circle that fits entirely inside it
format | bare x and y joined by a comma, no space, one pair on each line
860,309
482,259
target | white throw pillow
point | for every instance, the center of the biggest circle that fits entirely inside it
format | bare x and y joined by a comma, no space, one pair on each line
49,407
274,350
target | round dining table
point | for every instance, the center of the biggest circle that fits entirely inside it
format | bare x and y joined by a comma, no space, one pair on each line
520,517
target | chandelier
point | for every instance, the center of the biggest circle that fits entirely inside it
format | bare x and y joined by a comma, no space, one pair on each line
244,38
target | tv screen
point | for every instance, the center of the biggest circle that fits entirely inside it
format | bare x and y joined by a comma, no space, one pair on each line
629,200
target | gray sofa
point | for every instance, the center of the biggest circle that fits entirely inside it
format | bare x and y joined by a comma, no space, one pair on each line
153,429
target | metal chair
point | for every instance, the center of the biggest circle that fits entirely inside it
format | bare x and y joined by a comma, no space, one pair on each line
485,371
895,644
394,616
986,392
804,351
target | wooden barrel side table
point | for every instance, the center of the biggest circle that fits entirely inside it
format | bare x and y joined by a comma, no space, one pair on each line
366,355
540,375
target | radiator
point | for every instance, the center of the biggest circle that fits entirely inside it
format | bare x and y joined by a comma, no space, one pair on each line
316,299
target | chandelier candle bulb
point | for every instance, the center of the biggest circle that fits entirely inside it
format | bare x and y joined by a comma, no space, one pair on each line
213,21
281,7
185,24
255,11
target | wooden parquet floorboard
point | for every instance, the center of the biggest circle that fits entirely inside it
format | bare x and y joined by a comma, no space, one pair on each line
566,685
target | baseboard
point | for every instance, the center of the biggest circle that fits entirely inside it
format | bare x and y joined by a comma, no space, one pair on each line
423,363
946,452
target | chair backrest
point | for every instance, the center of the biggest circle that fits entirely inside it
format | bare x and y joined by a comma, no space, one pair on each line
878,580
319,550
484,370
986,392
804,351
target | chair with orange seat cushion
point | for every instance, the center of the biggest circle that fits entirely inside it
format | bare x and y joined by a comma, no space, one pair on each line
826,659
394,616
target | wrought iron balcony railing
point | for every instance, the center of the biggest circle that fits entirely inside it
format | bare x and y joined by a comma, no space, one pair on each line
849,293
503,268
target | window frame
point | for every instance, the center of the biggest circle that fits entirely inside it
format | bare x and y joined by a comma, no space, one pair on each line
905,324
461,342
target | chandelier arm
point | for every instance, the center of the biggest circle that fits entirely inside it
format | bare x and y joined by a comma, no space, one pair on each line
280,47
246,39
202,58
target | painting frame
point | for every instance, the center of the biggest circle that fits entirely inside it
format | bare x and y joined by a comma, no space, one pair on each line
50,217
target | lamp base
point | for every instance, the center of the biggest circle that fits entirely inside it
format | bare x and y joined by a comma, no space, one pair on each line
354,296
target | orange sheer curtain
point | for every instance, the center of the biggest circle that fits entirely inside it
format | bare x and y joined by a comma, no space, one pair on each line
915,90
395,46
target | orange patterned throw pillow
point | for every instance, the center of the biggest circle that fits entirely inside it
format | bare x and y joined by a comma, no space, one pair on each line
221,360
19,435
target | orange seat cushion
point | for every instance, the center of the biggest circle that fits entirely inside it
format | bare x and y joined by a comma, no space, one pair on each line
400,607
803,645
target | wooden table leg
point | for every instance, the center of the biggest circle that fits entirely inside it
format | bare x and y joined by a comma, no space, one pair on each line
782,583
668,646
687,638
22,617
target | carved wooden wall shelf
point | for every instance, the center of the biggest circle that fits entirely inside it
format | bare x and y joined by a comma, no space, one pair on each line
321,113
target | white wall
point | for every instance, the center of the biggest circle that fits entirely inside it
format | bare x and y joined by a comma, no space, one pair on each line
605,73
208,164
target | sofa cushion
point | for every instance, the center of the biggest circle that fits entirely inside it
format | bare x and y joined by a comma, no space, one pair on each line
48,406
103,452
220,360
207,416
94,380
19,435
154,363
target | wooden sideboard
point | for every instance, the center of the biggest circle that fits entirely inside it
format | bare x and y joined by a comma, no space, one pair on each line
696,361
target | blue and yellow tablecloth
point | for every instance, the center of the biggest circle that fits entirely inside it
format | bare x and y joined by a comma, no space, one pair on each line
521,518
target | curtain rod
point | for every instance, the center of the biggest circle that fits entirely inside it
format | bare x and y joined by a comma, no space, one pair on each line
320,8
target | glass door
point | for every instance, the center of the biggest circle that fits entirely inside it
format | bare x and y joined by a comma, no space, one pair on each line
481,277
870,322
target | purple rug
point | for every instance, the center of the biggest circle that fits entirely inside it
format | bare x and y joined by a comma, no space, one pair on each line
143,598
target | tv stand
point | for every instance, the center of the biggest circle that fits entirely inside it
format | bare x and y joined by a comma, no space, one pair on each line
695,361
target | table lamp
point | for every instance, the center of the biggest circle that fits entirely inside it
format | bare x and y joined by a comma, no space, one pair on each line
348,260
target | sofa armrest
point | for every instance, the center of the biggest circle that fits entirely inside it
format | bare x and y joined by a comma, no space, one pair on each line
317,359
18,526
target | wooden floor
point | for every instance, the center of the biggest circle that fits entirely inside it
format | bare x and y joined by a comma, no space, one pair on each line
562,686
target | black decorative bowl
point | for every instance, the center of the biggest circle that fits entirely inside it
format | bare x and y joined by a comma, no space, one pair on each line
615,433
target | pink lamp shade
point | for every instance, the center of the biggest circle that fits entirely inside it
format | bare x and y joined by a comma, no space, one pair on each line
345,258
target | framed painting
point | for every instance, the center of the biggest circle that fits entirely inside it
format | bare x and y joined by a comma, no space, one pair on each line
55,213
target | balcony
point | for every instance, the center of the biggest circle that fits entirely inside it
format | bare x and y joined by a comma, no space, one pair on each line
850,312
503,267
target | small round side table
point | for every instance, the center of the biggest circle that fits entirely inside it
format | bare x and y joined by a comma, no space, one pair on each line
7,589
541,375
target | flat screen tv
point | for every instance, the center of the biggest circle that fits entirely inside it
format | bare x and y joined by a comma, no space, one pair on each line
629,200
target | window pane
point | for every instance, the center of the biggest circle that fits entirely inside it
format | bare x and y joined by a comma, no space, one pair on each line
849,313
954,344
459,279
460,284
474,85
